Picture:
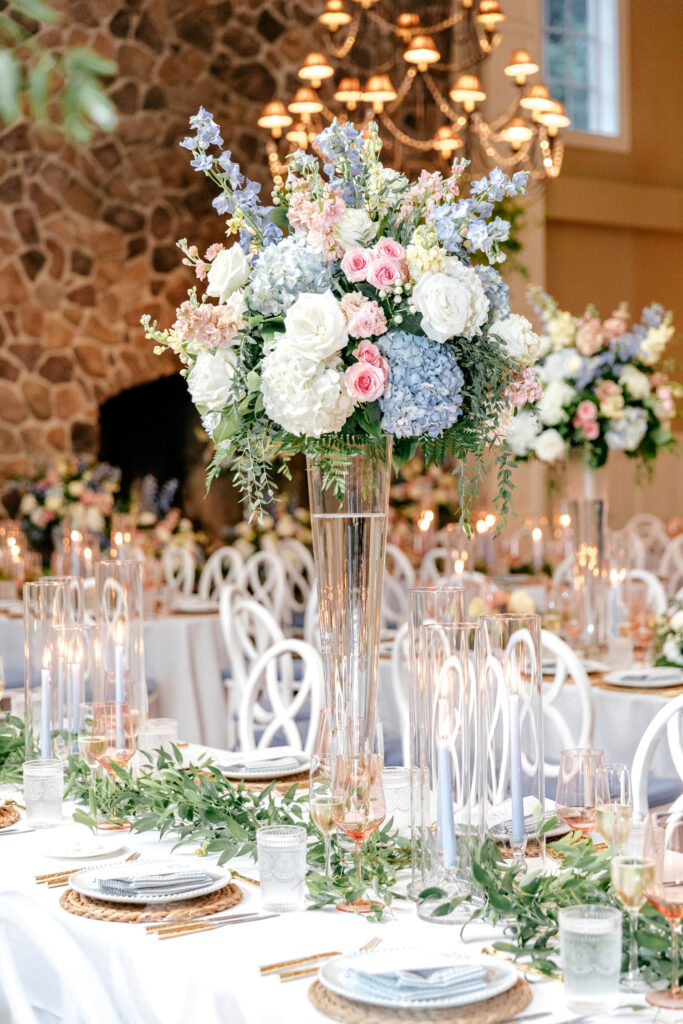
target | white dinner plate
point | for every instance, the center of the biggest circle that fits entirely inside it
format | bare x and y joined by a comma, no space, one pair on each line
267,773
85,881
333,974
652,678
10,604
86,848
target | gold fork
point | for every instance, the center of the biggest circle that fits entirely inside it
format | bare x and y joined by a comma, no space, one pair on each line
309,972
58,879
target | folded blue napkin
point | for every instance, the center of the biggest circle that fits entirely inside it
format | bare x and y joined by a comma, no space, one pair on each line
420,982
155,885
274,765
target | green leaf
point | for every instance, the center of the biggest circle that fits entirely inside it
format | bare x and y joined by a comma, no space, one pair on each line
81,59
37,11
10,84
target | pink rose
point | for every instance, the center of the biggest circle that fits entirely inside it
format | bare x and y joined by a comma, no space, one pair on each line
667,406
385,273
369,353
587,412
591,431
616,324
389,247
356,263
364,382
589,336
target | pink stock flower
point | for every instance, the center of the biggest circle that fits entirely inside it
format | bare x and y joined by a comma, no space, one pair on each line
364,317
200,269
364,382
316,217
208,326
616,324
525,388
667,406
356,263
213,251
658,379
389,247
369,353
589,336
385,273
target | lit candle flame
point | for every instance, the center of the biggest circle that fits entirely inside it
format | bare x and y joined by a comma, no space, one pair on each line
565,520
118,538
75,536
425,520
47,657
481,526
490,520
87,554
536,534
617,576
119,633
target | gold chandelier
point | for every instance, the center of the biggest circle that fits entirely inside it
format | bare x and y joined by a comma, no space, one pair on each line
427,98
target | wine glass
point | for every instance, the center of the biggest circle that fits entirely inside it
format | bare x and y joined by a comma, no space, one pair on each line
642,619
90,745
575,799
664,847
632,874
358,806
613,804
320,802
114,742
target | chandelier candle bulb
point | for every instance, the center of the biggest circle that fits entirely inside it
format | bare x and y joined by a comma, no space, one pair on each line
445,820
45,696
516,792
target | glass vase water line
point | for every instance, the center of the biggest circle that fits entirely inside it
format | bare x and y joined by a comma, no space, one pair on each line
349,541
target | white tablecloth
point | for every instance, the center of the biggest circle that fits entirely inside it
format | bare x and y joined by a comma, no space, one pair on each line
212,978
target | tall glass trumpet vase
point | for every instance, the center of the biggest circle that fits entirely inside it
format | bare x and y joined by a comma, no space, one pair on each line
590,567
349,539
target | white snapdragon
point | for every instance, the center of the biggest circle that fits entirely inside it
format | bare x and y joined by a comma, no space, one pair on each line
654,343
210,379
453,303
228,272
561,329
315,326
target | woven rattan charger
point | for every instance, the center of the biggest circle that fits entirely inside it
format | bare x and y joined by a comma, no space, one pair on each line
488,1011
8,816
135,913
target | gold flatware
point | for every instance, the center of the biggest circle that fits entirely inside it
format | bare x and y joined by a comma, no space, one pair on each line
205,919
243,878
56,878
286,964
308,972
189,929
526,969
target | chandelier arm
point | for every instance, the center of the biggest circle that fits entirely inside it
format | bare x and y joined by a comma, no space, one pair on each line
424,145
418,30
403,90
442,103
498,123
339,52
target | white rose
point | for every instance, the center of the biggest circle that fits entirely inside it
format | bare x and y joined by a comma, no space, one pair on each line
53,502
635,381
550,408
75,488
210,379
354,228
518,337
549,446
676,620
452,303
228,272
523,432
28,504
315,326
303,395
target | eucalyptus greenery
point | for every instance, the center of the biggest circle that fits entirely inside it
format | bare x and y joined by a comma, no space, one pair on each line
51,86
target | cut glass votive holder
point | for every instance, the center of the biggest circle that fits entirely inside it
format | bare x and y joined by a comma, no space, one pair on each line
590,952
281,851
43,792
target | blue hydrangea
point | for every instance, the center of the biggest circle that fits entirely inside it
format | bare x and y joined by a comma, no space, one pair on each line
424,393
285,270
627,433
496,291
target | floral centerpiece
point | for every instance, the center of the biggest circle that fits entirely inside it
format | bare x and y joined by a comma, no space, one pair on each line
512,602
160,523
265,532
605,386
669,637
78,491
369,317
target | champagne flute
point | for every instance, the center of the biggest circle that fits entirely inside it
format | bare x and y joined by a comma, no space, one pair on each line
613,804
664,846
320,803
90,746
575,799
358,807
632,873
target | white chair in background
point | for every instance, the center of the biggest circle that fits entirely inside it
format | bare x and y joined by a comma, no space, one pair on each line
58,966
272,677
568,669
399,577
299,569
400,681
312,619
651,531
436,565
671,565
655,588
564,571
264,580
179,568
628,548
225,565
659,792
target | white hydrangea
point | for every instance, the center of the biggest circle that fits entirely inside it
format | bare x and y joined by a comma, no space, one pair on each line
210,379
549,446
654,343
518,337
556,395
28,504
523,432
559,365
453,303
305,396
635,381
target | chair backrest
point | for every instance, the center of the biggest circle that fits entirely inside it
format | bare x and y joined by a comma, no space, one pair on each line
655,588
225,565
312,619
179,568
78,994
671,565
632,553
667,718
400,681
568,668
274,680
299,568
651,531
265,581
436,565
564,571
399,577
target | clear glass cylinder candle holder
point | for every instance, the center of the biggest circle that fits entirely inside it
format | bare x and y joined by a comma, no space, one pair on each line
590,952
281,851
450,665
511,750
75,552
591,567
119,607
396,786
159,734
81,652
427,603
45,616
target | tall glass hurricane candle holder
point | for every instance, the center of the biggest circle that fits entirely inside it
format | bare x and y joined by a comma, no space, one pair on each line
449,666
121,678
349,540
45,605
80,656
75,552
590,566
427,603
511,753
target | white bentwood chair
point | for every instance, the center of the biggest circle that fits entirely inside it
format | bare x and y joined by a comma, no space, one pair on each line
299,570
655,588
265,582
568,669
400,681
179,568
658,791
275,679
651,531
225,565
671,565
399,577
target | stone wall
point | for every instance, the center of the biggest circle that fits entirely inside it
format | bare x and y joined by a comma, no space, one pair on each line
87,234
